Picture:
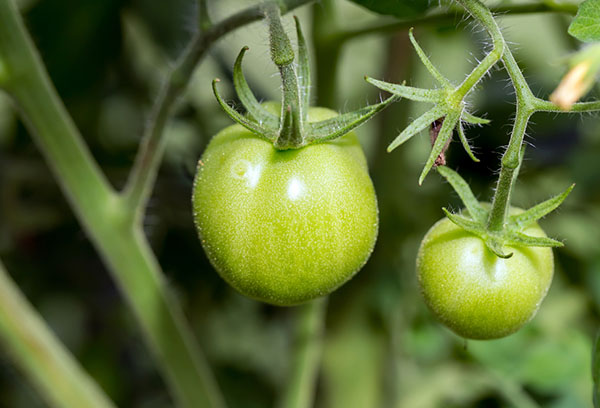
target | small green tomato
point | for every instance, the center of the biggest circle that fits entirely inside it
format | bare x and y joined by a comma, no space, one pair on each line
475,293
286,226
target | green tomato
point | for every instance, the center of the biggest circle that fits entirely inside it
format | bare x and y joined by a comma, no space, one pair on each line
475,293
287,226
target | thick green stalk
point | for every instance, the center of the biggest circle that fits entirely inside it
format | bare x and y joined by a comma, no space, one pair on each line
104,216
41,356
308,347
482,14
511,162
512,158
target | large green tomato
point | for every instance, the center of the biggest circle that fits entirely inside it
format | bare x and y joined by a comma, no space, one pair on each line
287,226
475,293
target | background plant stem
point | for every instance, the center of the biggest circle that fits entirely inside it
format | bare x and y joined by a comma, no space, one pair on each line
308,347
448,17
41,356
107,221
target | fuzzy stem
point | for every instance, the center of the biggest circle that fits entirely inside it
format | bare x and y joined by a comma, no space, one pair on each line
41,356
512,158
291,133
308,348
447,17
511,161
481,13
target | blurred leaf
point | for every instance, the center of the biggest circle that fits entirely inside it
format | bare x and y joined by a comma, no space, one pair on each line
586,24
397,8
172,27
550,354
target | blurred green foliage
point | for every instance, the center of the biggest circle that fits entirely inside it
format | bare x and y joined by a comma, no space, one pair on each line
383,347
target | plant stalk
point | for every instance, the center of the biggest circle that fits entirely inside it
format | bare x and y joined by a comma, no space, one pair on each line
105,217
41,356
308,347
448,17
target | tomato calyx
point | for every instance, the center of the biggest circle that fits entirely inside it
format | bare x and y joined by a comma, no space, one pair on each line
291,130
477,219
449,103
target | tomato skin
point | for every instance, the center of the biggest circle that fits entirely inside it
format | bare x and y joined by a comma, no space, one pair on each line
475,293
287,226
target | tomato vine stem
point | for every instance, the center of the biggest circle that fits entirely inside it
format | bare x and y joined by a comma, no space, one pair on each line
40,354
307,350
445,17
527,105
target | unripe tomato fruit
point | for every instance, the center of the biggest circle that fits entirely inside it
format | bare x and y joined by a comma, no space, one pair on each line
286,226
475,293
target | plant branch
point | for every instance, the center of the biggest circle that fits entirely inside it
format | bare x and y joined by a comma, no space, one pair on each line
150,153
105,218
449,17
308,348
41,356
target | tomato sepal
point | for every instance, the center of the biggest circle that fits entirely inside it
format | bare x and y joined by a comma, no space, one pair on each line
291,129
476,219
449,105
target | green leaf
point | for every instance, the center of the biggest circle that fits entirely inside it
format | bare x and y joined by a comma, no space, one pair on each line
408,92
586,24
340,125
465,223
465,142
422,122
464,192
518,238
440,143
474,120
425,60
497,247
520,221
248,123
254,108
398,8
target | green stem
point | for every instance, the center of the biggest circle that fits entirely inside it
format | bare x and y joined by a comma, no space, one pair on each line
291,134
441,18
511,162
105,217
204,22
41,356
482,14
150,153
308,348
512,158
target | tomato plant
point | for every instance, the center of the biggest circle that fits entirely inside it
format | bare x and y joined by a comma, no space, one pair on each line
285,226
476,293
285,208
